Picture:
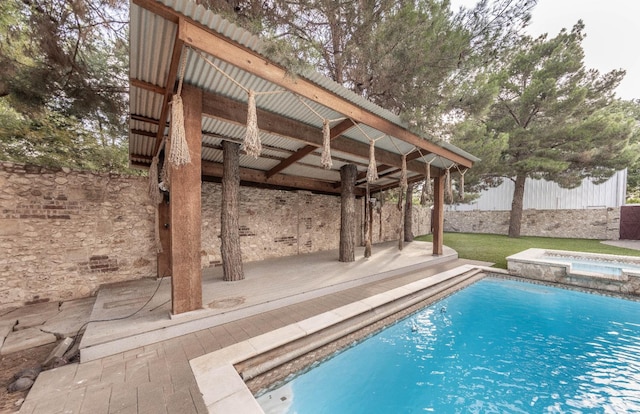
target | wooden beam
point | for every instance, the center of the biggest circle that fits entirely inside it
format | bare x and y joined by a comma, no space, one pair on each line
295,157
159,9
147,86
381,168
220,107
143,133
437,217
141,118
185,207
210,169
163,264
170,82
304,151
223,48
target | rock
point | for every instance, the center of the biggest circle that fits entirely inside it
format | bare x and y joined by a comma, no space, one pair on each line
21,384
31,373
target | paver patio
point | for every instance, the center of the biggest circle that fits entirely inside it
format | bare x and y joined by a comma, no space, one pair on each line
157,378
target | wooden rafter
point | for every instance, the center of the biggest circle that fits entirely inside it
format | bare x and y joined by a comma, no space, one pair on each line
210,169
171,80
141,118
147,86
220,107
306,150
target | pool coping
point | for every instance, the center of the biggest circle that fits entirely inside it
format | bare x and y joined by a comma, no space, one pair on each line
536,256
224,390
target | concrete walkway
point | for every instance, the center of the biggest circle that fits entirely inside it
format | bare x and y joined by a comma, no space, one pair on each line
627,244
156,377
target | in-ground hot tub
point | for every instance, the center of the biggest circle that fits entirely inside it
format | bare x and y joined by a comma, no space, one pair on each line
620,274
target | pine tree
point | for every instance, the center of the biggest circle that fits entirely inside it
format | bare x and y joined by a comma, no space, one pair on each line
548,117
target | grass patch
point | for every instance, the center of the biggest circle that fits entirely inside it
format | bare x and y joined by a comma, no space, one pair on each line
495,248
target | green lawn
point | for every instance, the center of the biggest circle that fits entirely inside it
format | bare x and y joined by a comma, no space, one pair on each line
495,248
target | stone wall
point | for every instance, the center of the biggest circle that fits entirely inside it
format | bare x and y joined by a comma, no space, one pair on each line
273,223
63,232
277,223
601,223
387,218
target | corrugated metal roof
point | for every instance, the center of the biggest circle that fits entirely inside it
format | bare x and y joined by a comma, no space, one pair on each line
152,40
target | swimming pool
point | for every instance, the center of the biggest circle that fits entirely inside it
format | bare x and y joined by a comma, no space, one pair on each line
496,346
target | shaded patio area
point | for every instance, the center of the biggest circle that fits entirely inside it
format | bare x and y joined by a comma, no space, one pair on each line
268,285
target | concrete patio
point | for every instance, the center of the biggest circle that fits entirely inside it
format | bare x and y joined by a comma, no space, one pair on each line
141,364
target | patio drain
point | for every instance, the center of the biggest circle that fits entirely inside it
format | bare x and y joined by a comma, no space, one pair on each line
228,302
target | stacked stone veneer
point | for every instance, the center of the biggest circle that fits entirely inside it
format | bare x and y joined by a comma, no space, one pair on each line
276,223
63,232
273,223
601,223
529,265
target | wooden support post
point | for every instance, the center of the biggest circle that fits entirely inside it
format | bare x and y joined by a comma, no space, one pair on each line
408,214
230,213
401,207
367,223
164,257
185,212
348,174
438,214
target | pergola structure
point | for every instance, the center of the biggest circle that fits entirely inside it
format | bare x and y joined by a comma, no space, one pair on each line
176,44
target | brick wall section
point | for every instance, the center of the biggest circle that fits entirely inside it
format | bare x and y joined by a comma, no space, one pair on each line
65,232
600,224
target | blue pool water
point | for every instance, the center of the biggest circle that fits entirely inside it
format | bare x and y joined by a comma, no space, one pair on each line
608,268
497,346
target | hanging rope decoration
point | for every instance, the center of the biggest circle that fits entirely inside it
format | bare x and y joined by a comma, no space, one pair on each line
325,158
403,173
403,190
154,193
426,187
154,189
372,169
179,153
165,176
449,185
403,170
252,145
461,189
